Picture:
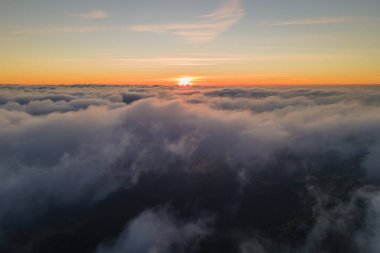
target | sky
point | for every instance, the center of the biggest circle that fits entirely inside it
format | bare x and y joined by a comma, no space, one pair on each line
216,42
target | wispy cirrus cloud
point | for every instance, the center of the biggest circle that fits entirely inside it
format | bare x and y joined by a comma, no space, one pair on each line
207,28
93,14
90,15
61,29
311,21
181,61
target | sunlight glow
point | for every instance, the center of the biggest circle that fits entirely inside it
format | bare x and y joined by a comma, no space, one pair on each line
185,81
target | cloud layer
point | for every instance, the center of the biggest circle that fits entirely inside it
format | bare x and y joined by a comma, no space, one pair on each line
161,169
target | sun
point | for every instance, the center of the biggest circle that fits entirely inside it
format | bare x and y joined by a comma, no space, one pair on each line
185,81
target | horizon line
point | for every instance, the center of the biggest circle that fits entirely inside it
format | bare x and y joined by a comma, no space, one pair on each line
175,85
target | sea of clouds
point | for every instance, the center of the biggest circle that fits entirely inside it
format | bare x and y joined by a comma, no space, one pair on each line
155,169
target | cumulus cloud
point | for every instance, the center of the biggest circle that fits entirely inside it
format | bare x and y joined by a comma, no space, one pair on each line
279,169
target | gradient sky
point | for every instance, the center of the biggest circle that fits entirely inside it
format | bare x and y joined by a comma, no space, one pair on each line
216,41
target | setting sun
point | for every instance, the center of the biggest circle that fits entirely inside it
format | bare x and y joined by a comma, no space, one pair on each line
185,81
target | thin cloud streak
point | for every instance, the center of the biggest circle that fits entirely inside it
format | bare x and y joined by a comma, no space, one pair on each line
312,21
182,61
207,29
93,14
62,29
